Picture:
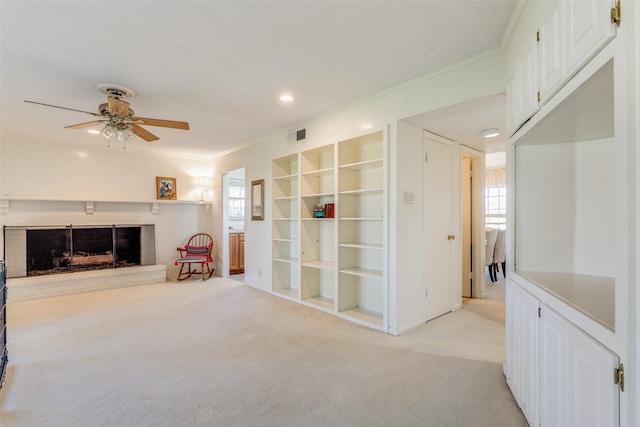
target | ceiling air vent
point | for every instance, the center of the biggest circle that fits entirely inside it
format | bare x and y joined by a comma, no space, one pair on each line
297,136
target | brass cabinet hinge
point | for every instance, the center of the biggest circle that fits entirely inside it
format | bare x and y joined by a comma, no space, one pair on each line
538,34
539,97
618,376
539,312
615,14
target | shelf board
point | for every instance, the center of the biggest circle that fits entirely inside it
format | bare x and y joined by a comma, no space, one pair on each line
280,239
324,302
323,265
285,219
286,177
366,164
361,245
318,219
360,218
319,172
289,292
364,315
363,272
361,191
288,260
306,196
285,198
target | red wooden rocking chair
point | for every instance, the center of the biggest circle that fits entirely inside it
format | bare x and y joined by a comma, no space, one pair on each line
199,250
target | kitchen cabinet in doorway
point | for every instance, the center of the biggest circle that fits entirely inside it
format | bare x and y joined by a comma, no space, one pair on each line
236,253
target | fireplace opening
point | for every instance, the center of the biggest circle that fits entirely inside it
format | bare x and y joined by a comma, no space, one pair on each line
72,249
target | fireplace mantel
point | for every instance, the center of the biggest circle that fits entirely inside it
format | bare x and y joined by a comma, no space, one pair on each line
89,202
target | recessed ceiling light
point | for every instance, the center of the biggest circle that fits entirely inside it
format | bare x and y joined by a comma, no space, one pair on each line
286,98
490,133
94,131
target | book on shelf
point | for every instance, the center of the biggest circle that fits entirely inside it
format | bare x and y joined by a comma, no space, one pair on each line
329,210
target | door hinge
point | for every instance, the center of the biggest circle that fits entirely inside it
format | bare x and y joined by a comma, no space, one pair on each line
615,14
618,376
538,96
538,36
426,157
539,312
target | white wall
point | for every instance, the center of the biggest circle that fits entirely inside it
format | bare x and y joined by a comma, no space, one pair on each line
595,182
480,77
45,170
545,207
564,193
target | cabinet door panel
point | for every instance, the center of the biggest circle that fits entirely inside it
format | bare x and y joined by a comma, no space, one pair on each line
550,55
589,29
530,335
595,398
512,338
553,390
526,83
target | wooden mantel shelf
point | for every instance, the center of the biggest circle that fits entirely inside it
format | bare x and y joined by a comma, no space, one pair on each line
90,201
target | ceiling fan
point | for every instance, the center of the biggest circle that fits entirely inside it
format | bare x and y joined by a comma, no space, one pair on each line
118,118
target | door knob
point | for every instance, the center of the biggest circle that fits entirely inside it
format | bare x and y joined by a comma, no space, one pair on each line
451,237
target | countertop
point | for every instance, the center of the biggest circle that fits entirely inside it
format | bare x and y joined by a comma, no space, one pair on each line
593,296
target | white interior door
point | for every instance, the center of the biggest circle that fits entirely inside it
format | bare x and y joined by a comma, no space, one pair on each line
437,227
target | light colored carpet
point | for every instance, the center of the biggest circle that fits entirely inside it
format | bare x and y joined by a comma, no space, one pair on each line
475,332
218,353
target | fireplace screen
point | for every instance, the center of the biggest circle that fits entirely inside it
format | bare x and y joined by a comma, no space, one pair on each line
72,249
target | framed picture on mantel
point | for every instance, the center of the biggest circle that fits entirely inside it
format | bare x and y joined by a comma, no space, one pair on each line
166,188
257,200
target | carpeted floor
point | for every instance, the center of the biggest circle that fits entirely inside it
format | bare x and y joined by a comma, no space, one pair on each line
218,353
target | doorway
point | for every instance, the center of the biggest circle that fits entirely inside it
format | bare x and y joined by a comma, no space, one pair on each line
453,221
233,213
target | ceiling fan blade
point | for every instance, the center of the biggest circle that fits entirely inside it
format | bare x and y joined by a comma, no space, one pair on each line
64,108
142,133
164,123
85,125
118,106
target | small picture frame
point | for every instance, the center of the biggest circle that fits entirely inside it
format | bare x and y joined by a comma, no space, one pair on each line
257,200
166,188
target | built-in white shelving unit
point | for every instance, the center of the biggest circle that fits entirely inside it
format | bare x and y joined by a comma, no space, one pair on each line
285,230
361,245
341,257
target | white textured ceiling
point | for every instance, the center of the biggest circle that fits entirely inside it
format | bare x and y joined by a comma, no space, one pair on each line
222,65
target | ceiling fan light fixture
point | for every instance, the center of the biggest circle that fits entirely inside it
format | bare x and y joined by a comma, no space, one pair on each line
490,133
121,132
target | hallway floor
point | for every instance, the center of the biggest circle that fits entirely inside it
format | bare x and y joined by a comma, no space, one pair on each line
474,332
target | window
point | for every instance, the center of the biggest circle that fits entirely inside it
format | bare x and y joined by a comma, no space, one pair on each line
495,196
236,199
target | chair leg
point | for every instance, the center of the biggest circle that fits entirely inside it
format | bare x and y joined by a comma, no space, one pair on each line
180,274
504,270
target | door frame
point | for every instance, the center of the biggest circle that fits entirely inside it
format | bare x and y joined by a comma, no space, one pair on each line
478,288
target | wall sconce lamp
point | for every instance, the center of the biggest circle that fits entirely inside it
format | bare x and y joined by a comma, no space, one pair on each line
202,183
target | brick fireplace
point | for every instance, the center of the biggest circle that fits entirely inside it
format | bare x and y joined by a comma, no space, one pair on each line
37,251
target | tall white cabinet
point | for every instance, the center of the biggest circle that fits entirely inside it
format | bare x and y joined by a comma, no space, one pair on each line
336,263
